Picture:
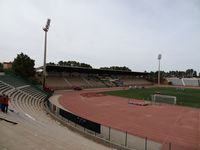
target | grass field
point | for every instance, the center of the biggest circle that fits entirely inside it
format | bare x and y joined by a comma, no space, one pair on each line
186,97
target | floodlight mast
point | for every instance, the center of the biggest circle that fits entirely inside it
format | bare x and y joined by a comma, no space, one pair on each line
46,28
159,58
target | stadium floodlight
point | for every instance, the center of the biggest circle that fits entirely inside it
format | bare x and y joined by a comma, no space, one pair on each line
159,58
46,28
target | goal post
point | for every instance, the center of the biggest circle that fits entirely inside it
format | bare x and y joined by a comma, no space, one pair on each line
157,98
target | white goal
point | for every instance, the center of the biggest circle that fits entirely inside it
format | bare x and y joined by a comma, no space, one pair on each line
157,98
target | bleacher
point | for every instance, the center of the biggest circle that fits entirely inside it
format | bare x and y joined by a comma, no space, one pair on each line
65,77
57,82
68,82
132,81
92,81
11,80
4,87
16,89
184,81
33,92
191,81
108,81
176,81
78,81
35,129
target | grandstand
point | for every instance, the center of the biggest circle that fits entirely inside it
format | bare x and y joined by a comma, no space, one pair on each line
191,81
184,81
13,81
132,81
64,77
175,81
16,88
27,125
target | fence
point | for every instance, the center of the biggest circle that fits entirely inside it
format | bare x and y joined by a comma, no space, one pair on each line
117,137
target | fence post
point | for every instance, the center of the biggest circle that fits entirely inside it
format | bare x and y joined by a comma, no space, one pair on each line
109,134
145,143
126,139
170,146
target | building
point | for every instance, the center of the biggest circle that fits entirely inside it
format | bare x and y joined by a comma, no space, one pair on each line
7,65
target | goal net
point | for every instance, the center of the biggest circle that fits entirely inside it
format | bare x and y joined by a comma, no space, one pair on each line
157,98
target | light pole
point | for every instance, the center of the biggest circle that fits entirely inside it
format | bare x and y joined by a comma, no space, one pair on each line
46,28
159,58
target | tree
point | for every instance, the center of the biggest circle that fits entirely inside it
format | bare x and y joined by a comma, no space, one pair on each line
191,73
1,67
85,65
74,64
23,66
116,68
153,77
51,63
104,68
195,74
61,63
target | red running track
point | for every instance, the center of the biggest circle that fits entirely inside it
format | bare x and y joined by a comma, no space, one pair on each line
164,124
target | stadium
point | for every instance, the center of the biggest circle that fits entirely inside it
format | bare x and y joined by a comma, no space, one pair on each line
113,108
99,75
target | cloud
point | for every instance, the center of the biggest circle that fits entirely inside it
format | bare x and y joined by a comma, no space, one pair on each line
104,32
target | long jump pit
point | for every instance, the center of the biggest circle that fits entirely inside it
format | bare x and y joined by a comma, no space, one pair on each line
177,125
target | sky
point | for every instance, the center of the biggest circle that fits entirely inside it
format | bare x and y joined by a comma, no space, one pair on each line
104,33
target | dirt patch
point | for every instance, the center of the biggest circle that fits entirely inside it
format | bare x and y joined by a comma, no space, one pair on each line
89,95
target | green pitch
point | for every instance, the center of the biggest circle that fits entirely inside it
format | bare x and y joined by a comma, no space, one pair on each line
186,97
